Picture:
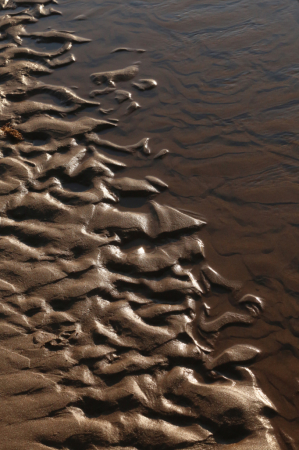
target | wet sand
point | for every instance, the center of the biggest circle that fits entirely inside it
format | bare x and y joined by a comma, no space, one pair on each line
149,225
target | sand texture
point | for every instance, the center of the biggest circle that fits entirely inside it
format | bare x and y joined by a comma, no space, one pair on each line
106,338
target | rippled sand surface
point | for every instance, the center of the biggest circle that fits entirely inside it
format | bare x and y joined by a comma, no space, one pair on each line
149,225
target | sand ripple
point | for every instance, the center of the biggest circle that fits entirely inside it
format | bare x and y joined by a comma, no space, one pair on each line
106,340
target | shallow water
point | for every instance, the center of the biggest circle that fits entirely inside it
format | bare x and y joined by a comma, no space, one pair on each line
105,339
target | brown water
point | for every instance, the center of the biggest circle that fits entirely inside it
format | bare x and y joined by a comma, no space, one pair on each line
127,323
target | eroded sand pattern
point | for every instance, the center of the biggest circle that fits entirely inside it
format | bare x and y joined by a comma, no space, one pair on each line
106,339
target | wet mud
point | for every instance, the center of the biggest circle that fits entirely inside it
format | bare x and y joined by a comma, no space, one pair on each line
149,225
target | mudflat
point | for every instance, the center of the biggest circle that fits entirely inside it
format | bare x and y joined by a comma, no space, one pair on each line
149,225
